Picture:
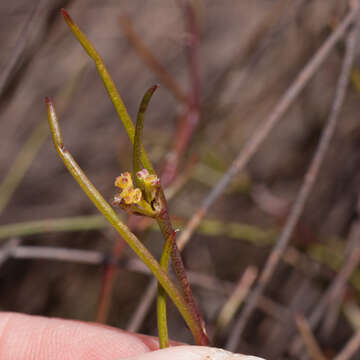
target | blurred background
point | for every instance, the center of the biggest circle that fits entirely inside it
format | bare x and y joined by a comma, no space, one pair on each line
222,68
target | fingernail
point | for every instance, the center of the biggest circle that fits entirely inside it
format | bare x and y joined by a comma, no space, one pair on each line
192,353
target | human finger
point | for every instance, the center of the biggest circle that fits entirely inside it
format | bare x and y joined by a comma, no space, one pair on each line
39,338
189,352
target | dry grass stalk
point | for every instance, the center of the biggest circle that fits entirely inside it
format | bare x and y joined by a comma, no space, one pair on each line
308,183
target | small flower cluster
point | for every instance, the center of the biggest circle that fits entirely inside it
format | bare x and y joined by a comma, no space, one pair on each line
142,200
128,194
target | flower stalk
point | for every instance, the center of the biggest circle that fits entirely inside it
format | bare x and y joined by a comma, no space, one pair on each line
104,207
153,192
144,197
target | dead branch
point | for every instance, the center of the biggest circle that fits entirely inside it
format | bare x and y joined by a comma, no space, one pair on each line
308,183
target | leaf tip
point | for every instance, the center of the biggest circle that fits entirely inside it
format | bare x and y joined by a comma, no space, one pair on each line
66,16
154,88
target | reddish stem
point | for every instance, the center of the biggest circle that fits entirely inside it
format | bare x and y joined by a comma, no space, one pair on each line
107,283
178,265
189,118
151,61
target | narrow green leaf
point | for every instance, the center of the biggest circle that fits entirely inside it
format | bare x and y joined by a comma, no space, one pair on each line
108,83
138,135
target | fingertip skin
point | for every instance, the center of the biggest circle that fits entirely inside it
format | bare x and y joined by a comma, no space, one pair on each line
38,338
192,353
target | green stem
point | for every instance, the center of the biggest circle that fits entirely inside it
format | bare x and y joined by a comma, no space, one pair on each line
164,259
107,81
328,253
170,248
32,145
77,223
161,302
249,233
103,206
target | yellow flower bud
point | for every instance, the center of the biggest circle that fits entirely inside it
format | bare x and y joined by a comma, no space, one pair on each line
136,195
124,181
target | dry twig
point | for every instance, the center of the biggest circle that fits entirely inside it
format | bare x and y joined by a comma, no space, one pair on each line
309,340
351,262
233,303
59,254
264,129
352,314
305,190
350,349
108,281
338,285
33,144
8,249
189,117
150,60
18,55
